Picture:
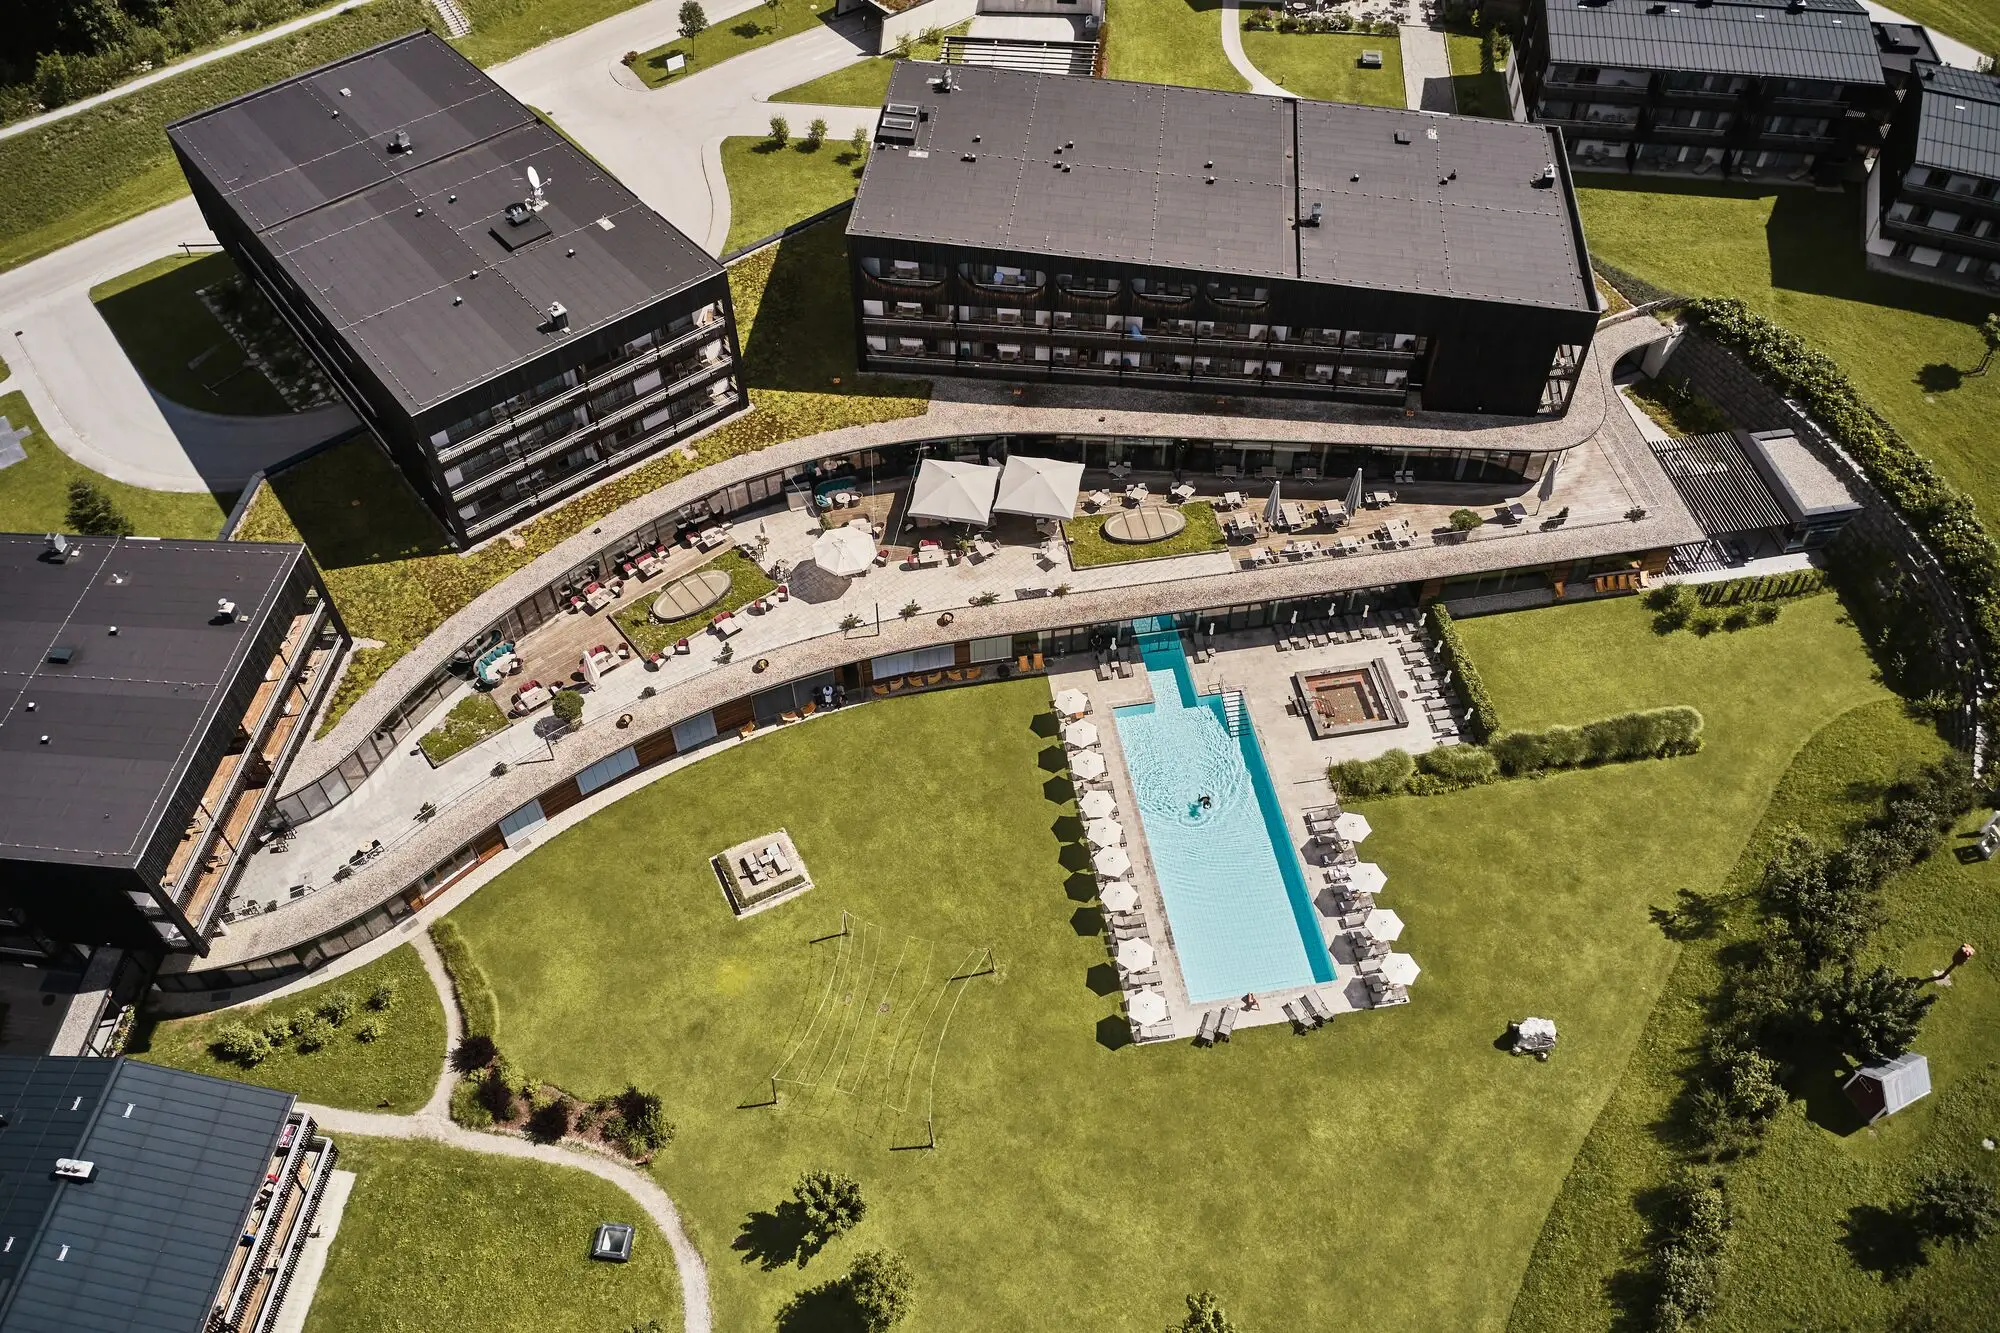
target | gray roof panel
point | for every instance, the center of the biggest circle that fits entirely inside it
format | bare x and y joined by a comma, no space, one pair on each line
1958,127
1828,40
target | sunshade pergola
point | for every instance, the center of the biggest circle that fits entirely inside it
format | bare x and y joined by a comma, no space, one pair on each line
1039,487
954,492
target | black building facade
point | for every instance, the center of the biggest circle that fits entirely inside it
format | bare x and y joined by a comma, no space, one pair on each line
511,321
1935,197
151,695
1040,227
1780,92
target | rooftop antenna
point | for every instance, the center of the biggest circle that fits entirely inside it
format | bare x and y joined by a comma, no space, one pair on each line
536,200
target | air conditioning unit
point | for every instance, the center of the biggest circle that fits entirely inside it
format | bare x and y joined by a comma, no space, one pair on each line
71,1168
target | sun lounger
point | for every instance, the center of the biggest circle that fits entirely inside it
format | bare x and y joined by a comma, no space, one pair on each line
1103,669
1206,1037
1319,1007
1227,1023
1292,1013
1124,669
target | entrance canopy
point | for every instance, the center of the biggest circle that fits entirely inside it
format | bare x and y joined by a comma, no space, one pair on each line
954,492
1039,487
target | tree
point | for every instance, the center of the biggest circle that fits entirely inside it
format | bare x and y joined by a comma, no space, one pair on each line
1204,1316
1824,901
1954,1206
92,513
1464,520
816,132
882,1288
646,1125
829,1203
568,705
858,141
781,131
693,18
1989,332
1873,1015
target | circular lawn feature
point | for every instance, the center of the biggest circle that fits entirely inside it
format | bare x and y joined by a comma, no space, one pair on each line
687,596
1146,524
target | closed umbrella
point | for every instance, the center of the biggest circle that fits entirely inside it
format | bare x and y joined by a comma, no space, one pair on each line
1080,735
1352,504
1087,766
1400,969
844,551
1138,955
1352,827
1072,703
1097,805
1147,1008
1104,832
1383,924
1366,877
1273,515
1111,861
1118,896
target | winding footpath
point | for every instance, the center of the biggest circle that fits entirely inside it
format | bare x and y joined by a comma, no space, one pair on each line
1232,46
434,1123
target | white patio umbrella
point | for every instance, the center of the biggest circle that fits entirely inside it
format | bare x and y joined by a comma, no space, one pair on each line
1138,955
1366,877
1111,861
1352,504
955,492
1080,735
1104,832
1383,924
844,552
1400,969
1352,827
1118,896
1072,703
1147,1008
1272,513
1098,805
1087,766
1039,487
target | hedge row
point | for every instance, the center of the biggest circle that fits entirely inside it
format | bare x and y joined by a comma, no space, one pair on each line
1656,733
1911,482
1485,718
475,994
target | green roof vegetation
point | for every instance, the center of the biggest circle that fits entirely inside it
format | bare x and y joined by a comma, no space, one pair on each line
470,721
1088,546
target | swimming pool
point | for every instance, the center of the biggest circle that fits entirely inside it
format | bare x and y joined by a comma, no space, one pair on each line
1236,895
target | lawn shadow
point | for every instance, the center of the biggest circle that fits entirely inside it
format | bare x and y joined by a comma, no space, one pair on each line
1067,828
1815,246
1102,979
1819,1072
1087,921
1882,1242
775,1238
1938,377
1059,790
352,506
802,336
1081,888
1075,857
827,1308
1114,1033
1046,725
1694,916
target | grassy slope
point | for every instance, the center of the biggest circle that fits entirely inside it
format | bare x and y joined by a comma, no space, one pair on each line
437,1238
1169,41
34,493
157,315
1795,255
771,187
1323,65
1975,22
863,83
1478,86
399,1069
502,29
387,563
730,37
652,981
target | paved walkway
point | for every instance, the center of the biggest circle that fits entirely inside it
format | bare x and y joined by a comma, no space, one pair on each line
178,67
1232,46
1426,69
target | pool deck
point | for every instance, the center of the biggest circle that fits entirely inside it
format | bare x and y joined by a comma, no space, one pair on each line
1250,661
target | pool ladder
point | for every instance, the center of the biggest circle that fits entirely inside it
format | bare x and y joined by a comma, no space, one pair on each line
1234,714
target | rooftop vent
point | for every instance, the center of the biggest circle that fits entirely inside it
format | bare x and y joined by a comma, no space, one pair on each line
59,546
1656,9
558,317
401,142
518,213
1547,178
71,1168
1402,137
1311,219
62,654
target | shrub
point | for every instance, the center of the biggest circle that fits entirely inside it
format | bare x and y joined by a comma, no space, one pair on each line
278,1030
910,609
1687,1246
1737,619
1654,734
1464,520
1705,622
1450,767
816,132
1386,772
314,1036
468,1105
567,705
475,994
1204,1315
371,1029
781,131
693,18
383,998
1673,604
1874,1015
1485,718
236,1043
496,1094
881,1287
829,1204
92,514
1954,1206
551,1120
645,1124
337,1007
1822,903
1764,613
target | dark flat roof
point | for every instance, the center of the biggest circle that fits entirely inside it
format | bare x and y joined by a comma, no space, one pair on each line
1829,40
1958,126
1803,485
1451,211
385,241
151,1233
126,714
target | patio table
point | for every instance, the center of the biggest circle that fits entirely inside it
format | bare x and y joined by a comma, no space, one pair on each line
1232,499
986,550
728,626
930,556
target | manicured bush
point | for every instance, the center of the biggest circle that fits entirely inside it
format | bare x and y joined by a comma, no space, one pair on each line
370,1029
383,998
237,1043
314,1035
496,1095
1954,1206
468,1105
644,1124
551,1120
1450,767
567,705
1464,520
1687,1251
781,131
337,1007
1465,676
1385,773
475,994
1673,604
1656,733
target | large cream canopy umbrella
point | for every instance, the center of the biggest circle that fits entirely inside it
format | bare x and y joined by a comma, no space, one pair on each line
1072,703
1383,924
1147,1008
1400,969
1104,832
1097,805
1086,766
1353,827
1366,877
1039,487
955,492
1111,861
1080,735
1118,896
844,551
1138,955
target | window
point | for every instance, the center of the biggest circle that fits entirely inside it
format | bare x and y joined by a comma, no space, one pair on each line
607,770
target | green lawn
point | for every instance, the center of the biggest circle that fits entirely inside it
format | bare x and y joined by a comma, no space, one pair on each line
1795,255
503,29
1478,78
470,721
1168,41
771,187
1974,22
731,37
1089,546
746,584
176,345
1326,65
438,1238
394,1073
652,981
863,83
34,493
391,570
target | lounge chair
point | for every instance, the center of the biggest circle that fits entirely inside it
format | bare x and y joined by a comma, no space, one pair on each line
1209,1021
1227,1023
1298,1022
1124,669
1319,1007
1103,669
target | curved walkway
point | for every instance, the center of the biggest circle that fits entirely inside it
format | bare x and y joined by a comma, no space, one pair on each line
434,1124
1232,46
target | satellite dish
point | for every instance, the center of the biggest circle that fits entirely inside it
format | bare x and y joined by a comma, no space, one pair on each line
534,179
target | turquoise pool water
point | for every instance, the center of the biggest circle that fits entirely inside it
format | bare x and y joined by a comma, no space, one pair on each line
1242,914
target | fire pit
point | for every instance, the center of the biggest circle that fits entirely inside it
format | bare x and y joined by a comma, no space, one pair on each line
1346,701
